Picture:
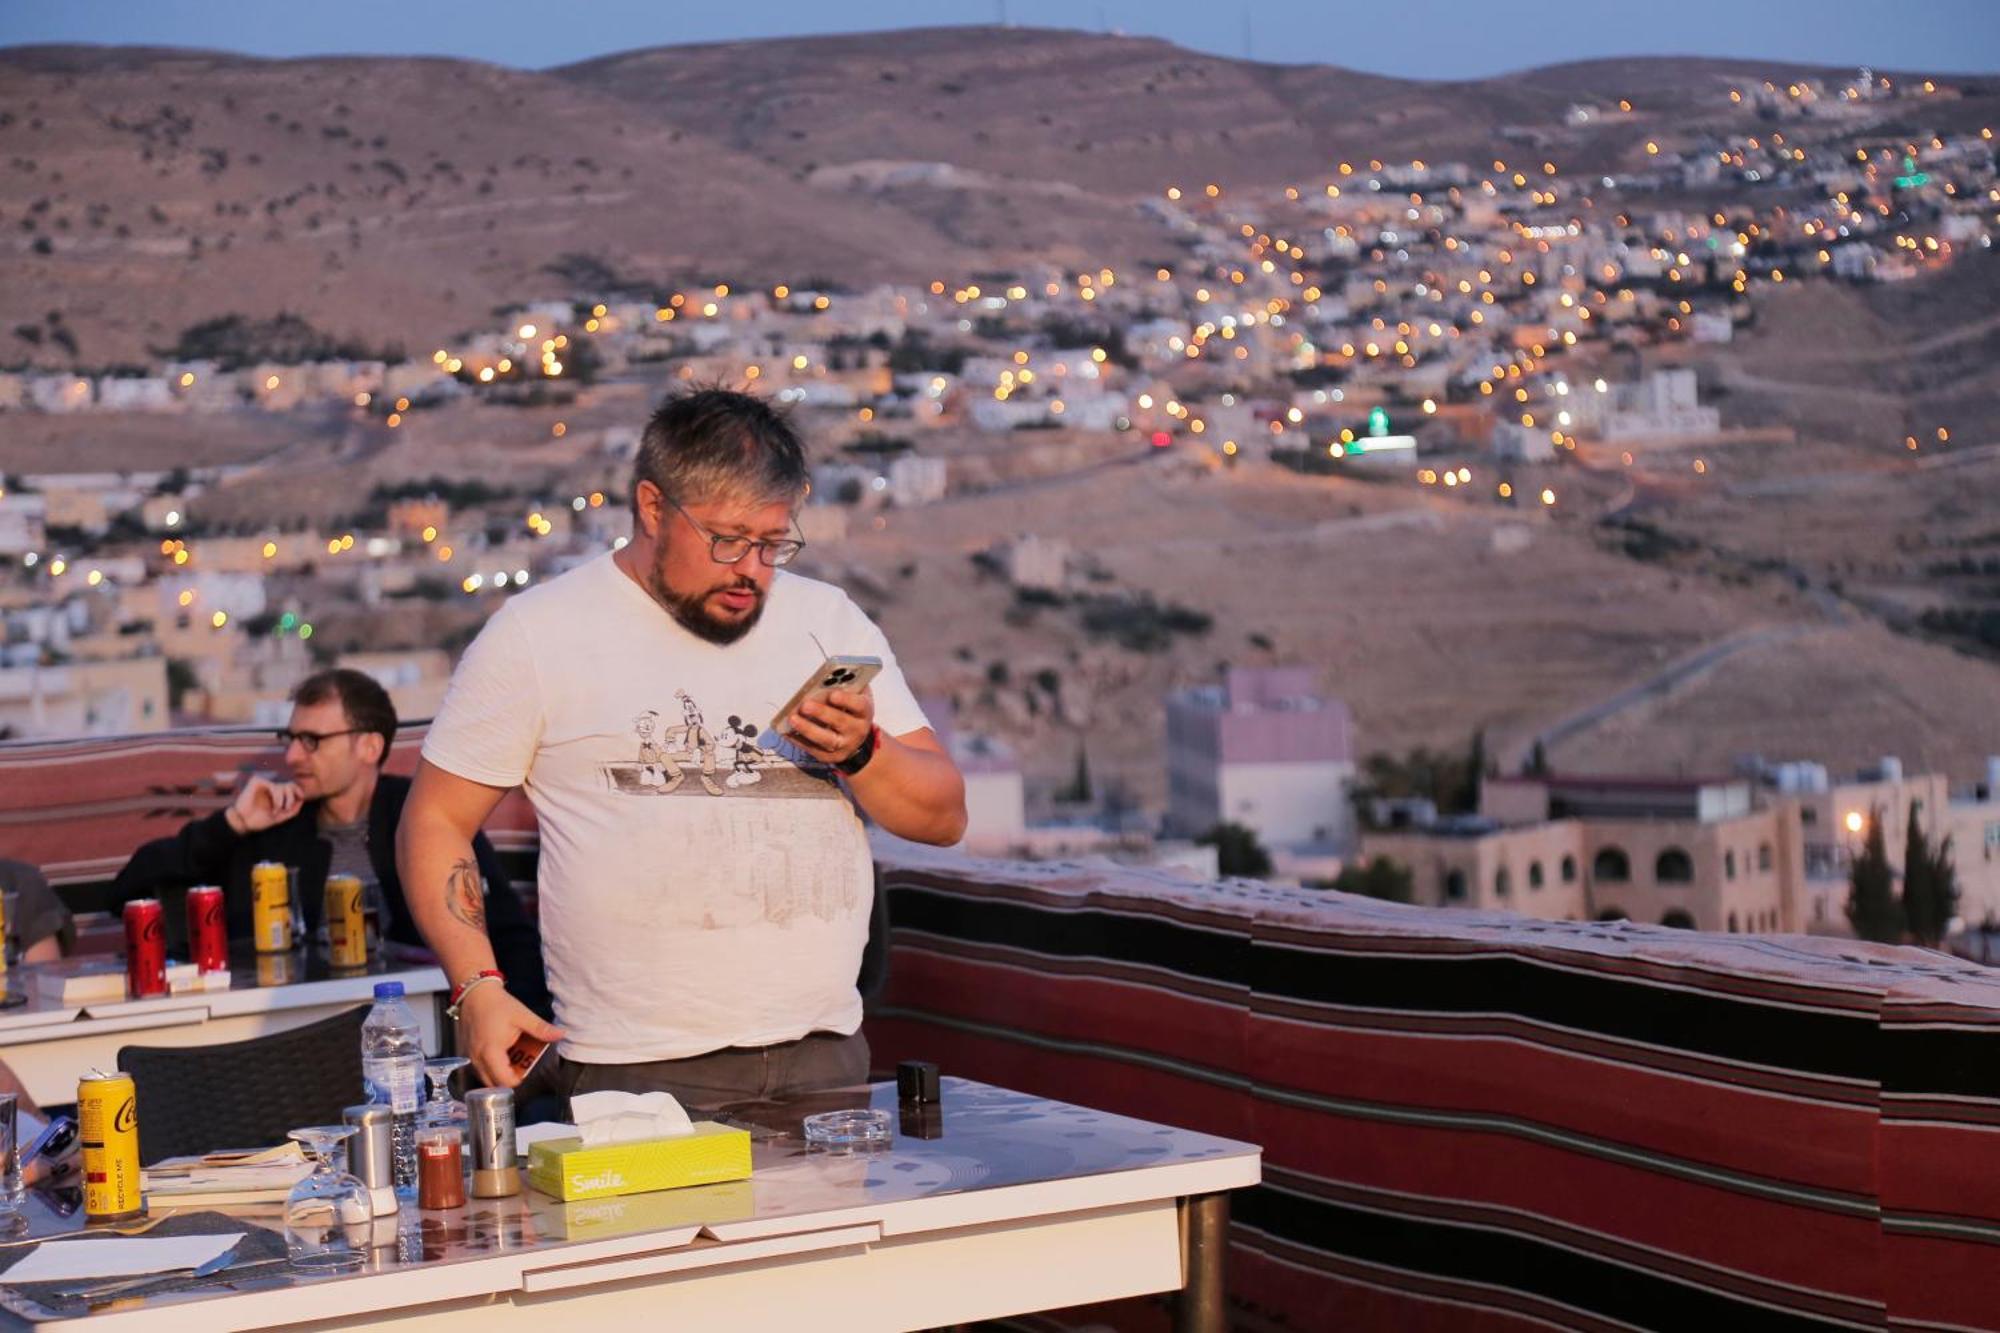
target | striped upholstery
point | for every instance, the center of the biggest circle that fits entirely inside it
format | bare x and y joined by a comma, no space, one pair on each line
1475,1121
77,808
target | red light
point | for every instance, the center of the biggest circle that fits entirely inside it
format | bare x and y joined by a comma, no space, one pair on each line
1161,439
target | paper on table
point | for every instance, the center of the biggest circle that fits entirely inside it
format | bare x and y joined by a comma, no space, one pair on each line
283,1153
67,1261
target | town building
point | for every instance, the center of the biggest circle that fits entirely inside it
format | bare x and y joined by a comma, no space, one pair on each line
1263,749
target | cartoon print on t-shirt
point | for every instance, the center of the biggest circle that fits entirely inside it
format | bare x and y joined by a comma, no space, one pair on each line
665,754
696,739
744,771
652,759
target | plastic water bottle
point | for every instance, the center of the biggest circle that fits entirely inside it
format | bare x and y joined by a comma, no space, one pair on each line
392,1064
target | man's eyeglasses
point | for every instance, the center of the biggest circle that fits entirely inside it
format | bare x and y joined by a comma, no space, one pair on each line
727,550
309,740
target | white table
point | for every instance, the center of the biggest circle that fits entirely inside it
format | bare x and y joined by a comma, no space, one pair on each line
48,1046
1020,1204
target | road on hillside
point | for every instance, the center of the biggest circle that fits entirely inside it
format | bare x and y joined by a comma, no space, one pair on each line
1658,685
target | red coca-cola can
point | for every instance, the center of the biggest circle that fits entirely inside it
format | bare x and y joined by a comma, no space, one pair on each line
145,948
208,929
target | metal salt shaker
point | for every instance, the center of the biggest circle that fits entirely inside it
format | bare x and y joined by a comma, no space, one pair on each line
371,1156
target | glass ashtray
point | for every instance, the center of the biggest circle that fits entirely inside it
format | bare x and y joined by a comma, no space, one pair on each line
849,1130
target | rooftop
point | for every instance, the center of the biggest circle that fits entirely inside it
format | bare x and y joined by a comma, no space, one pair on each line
1580,1124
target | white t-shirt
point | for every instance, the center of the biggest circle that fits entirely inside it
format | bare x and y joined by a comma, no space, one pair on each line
703,882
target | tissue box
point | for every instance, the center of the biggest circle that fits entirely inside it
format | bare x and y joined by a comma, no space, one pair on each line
566,1170
596,1219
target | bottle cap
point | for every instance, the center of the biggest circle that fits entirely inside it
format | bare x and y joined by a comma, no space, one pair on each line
388,990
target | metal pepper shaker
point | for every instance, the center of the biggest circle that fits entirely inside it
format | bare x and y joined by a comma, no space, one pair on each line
495,1161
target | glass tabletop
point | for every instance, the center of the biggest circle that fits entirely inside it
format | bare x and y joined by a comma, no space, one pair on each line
977,1137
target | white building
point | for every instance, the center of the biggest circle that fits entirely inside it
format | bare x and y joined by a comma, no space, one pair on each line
1664,405
59,393
1713,327
149,393
1038,562
1262,750
239,596
996,414
1093,411
1514,442
996,819
1855,262
84,698
916,480
21,523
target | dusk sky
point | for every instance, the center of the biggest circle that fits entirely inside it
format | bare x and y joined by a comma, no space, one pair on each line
1414,38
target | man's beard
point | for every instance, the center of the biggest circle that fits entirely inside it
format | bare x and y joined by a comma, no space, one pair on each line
691,612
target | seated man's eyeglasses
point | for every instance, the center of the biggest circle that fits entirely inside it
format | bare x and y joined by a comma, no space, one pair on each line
727,550
309,740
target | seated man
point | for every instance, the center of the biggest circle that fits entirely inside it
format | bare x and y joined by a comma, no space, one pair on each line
35,915
336,815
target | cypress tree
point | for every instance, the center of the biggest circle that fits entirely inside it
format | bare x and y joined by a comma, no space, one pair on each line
1871,894
1919,893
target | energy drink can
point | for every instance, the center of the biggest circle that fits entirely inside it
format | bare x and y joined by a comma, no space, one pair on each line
346,933
107,1112
271,907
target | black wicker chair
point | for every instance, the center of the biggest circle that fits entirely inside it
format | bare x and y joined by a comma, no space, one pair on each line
245,1094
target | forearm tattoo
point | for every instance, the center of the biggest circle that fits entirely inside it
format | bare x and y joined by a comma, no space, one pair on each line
465,894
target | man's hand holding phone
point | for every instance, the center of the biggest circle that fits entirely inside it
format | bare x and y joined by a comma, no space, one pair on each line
833,713
491,1026
832,726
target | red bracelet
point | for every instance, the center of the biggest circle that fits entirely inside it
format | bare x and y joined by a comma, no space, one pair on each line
458,991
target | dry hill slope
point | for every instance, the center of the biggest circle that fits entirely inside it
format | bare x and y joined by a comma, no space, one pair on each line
390,200
399,200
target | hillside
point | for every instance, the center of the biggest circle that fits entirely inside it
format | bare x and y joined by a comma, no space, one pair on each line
397,201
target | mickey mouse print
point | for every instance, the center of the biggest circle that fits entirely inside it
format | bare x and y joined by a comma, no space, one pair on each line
678,753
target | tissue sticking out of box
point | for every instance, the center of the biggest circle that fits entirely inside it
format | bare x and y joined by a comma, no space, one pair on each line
626,1117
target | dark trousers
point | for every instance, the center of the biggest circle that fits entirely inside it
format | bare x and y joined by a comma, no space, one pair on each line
813,1063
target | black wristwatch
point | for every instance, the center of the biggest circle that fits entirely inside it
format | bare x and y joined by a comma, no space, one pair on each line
857,761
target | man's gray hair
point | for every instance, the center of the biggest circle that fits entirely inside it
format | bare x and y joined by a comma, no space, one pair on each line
708,443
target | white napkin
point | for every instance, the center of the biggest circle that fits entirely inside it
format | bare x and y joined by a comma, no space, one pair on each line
625,1117
68,1261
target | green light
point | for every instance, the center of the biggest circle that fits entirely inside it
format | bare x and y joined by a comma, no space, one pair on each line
287,621
305,631
1378,421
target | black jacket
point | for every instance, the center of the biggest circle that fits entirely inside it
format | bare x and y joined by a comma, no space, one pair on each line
208,851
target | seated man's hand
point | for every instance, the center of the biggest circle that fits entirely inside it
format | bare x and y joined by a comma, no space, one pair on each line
489,1021
262,803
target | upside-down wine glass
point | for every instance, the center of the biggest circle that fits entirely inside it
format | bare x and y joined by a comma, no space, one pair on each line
328,1214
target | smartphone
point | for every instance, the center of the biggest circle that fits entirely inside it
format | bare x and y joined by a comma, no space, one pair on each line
56,1139
835,673
526,1053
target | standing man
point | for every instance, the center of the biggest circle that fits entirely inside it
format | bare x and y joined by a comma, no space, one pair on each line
701,939
334,812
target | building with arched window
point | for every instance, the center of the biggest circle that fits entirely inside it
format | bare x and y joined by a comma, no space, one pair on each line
1720,854
1679,851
